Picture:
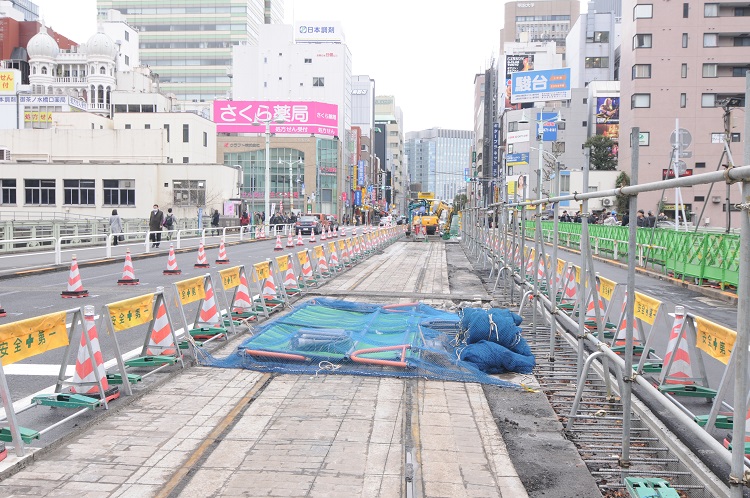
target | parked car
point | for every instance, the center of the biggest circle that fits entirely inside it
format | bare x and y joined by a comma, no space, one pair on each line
307,224
322,218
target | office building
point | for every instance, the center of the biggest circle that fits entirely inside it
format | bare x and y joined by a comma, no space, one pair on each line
189,44
439,160
683,65
21,10
389,147
539,21
591,45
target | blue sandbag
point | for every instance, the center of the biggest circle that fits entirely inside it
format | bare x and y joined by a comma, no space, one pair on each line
493,358
476,322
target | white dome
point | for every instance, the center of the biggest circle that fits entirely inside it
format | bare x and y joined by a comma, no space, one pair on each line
42,45
101,45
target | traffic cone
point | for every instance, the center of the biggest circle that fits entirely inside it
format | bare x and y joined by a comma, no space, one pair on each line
269,289
680,372
278,246
128,273
300,242
202,262
172,263
312,236
75,285
290,279
84,375
336,232
222,259
323,235
242,302
161,341
290,240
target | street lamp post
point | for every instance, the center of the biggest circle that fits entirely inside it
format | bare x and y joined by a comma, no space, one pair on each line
267,194
291,179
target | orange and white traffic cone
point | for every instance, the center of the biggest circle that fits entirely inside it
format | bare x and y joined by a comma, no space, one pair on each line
222,259
161,341
209,313
242,302
323,235
128,273
300,242
336,232
290,240
312,236
172,263
278,246
680,372
75,284
202,262
84,376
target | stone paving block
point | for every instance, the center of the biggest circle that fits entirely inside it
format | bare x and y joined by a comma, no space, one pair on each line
136,491
228,454
207,482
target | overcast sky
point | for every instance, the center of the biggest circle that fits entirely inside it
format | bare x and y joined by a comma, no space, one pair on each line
425,53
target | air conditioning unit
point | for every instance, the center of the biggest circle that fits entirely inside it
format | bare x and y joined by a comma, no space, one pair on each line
606,202
4,154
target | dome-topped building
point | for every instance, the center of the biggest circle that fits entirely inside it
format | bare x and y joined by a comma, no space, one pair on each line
42,45
101,45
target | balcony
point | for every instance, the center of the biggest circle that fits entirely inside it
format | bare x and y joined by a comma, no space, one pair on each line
68,79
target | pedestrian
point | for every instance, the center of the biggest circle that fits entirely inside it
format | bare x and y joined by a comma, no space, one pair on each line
611,219
155,222
577,217
169,223
651,219
215,222
565,216
626,219
662,217
641,219
244,219
115,227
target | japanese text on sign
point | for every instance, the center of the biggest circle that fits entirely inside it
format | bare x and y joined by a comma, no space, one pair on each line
230,277
318,251
560,266
715,340
33,336
302,258
577,270
283,262
238,116
191,290
342,245
606,288
646,308
332,247
131,312
531,86
7,81
262,271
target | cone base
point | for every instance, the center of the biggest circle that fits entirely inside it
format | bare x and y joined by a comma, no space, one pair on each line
278,248
172,272
222,261
2,312
300,243
110,394
72,294
128,281
201,265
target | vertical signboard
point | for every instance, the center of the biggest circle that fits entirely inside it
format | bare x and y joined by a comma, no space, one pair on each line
495,146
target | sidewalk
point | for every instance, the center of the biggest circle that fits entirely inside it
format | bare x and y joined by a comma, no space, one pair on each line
224,432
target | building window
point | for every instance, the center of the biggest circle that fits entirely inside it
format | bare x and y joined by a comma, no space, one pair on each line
185,160
564,183
584,124
639,100
700,165
318,81
742,41
601,36
643,11
44,69
127,60
710,70
683,71
642,41
708,100
127,36
79,192
710,40
711,10
597,62
683,100
189,192
513,126
205,139
119,192
739,72
308,61
40,192
685,10
684,40
186,133
699,198
393,144
8,187
102,70
127,126
166,127
641,71
741,11
558,147
561,125
147,126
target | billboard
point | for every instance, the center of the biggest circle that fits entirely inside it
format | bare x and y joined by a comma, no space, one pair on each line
318,32
608,117
515,63
238,116
537,86
547,126
517,159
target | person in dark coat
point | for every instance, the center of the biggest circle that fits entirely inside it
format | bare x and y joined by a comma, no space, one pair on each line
155,222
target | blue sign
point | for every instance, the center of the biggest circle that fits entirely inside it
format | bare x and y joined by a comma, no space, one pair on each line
370,188
518,159
495,145
466,175
547,125
357,197
361,173
535,86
